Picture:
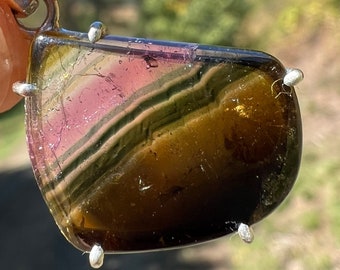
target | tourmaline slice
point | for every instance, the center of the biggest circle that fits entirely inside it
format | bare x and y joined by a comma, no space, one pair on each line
140,144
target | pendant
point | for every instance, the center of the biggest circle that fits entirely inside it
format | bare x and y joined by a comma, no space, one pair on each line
142,145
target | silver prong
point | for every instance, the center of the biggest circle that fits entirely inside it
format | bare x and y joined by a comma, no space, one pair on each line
24,89
245,233
97,31
293,77
96,256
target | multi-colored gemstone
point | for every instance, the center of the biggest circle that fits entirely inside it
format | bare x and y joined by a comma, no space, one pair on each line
140,144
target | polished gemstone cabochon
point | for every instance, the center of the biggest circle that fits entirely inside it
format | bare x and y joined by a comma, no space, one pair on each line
140,144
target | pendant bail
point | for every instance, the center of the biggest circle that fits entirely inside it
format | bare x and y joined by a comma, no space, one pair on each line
24,8
52,19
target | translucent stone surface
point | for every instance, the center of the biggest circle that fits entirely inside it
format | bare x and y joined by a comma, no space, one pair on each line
140,144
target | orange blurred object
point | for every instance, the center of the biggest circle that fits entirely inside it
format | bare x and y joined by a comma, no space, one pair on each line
14,50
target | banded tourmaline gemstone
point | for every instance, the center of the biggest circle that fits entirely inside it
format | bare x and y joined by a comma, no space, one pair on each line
139,144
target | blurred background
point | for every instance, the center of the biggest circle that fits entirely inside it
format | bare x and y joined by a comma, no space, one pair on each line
303,233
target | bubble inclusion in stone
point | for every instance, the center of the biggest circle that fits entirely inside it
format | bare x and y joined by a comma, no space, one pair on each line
140,146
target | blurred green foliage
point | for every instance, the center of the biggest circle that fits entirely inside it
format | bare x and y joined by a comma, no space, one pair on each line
11,131
221,22
209,22
215,22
